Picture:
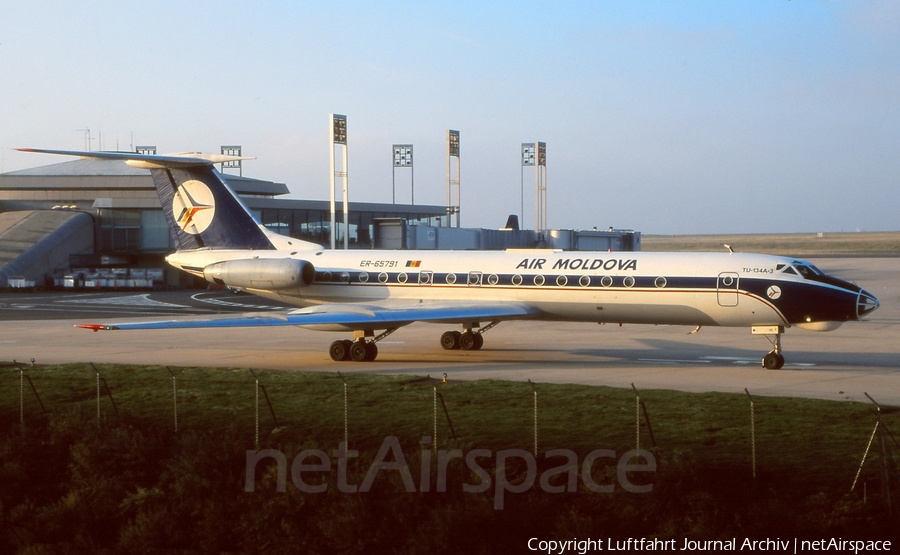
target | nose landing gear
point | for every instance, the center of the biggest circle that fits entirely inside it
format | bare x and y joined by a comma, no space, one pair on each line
774,360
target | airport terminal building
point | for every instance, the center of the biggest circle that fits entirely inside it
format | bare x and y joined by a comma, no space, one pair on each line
91,221
122,222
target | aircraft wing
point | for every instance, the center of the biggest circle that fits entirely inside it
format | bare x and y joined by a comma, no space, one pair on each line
342,316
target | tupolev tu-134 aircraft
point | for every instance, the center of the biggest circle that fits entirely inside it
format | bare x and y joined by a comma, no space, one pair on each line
372,293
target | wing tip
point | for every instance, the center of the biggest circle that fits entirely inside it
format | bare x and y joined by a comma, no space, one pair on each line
95,327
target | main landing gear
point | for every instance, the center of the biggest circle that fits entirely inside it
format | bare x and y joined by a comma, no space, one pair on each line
469,340
774,360
362,349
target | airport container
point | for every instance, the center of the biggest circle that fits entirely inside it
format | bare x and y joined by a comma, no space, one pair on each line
19,282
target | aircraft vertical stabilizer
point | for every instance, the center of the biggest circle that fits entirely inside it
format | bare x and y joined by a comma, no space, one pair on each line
200,208
203,211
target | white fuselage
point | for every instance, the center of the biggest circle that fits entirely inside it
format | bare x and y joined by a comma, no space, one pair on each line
618,287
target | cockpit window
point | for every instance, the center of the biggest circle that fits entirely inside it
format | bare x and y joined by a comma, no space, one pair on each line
790,270
809,271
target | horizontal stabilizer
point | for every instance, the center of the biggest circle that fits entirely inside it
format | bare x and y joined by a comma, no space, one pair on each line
148,161
202,211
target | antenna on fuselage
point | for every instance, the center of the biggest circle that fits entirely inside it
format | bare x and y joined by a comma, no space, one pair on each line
727,246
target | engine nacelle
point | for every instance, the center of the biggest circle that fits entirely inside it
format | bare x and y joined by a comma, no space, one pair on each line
261,273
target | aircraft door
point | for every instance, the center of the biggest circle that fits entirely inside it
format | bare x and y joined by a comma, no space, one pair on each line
727,288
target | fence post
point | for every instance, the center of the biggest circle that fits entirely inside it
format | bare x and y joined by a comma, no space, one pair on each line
256,392
885,471
111,398
268,401
97,372
434,410
22,377
444,406
534,390
866,454
174,397
346,440
641,406
752,432
637,418
22,398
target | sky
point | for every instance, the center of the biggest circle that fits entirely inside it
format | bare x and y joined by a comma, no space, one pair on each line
663,117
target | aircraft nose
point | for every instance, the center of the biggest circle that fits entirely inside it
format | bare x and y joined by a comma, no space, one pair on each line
867,303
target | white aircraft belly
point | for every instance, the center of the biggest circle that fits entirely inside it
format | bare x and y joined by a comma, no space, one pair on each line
588,305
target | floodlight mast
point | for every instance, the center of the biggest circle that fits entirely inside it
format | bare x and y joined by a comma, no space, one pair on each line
338,136
403,158
540,184
453,152
535,154
527,160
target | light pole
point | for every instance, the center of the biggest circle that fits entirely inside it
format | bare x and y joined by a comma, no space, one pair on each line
403,158
453,152
338,136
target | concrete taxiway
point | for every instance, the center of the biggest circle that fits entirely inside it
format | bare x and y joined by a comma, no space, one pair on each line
839,365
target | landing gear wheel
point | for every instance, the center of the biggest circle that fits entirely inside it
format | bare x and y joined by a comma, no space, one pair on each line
450,340
773,361
371,351
466,341
358,351
340,350
479,342
469,341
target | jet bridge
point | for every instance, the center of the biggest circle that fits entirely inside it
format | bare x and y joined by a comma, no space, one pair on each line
34,243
